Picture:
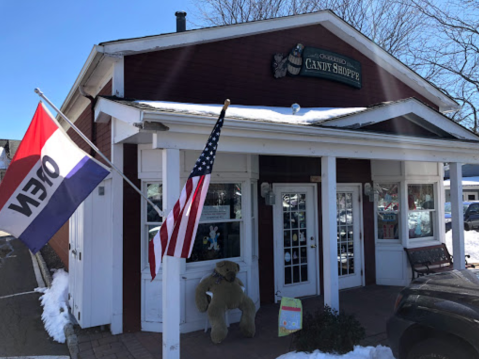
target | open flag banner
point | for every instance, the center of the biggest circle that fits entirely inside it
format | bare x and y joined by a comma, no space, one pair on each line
177,234
48,178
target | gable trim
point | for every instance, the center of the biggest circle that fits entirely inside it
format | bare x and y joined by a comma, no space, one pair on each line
402,108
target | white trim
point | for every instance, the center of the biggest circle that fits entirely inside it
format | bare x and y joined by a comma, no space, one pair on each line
326,18
276,217
186,131
117,236
403,108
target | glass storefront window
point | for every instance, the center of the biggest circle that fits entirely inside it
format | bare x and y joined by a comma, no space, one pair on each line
155,194
422,210
219,231
388,211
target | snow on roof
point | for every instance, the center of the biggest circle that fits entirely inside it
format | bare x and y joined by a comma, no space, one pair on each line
466,181
304,116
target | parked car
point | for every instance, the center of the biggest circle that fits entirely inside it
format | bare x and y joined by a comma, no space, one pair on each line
471,215
437,316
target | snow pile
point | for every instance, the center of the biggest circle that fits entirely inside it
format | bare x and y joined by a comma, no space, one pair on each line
359,352
263,113
55,308
471,244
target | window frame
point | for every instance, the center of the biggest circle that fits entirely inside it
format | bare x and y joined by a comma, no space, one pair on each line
195,266
241,221
376,212
436,236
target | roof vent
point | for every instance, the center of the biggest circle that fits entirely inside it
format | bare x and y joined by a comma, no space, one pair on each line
180,21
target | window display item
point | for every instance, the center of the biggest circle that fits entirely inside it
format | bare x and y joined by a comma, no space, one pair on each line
226,293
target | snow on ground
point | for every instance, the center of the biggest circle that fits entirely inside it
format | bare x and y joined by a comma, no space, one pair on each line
359,352
471,243
264,113
55,308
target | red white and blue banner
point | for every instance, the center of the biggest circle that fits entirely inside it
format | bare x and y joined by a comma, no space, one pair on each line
48,178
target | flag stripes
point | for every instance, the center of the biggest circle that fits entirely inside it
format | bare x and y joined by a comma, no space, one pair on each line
177,234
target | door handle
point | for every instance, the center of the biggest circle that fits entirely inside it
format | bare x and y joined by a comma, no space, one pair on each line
313,246
74,252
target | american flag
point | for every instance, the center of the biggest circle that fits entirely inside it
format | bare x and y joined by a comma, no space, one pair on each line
177,233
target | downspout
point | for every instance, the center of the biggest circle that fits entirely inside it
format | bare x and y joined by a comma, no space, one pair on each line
92,117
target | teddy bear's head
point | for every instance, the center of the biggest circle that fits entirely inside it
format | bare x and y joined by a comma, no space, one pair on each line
227,269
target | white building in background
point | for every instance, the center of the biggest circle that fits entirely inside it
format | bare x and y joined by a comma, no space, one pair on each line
7,151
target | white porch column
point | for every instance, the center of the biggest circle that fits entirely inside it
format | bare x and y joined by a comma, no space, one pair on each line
330,239
171,267
457,216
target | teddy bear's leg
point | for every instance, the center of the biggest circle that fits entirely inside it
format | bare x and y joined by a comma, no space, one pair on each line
216,316
247,325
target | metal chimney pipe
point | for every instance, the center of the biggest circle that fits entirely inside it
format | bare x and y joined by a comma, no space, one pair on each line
180,21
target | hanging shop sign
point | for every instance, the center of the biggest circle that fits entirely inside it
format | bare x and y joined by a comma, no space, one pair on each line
310,61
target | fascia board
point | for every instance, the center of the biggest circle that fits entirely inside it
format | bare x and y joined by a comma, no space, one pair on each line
123,113
285,132
162,42
91,61
393,110
388,62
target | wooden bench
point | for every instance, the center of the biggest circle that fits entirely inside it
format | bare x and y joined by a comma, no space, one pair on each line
432,259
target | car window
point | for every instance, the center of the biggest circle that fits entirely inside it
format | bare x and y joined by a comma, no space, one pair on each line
447,207
473,208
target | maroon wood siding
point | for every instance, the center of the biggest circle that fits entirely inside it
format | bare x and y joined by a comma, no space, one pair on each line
84,122
131,242
58,244
240,69
276,169
402,126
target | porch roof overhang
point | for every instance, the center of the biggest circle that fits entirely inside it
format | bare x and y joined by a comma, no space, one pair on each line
339,137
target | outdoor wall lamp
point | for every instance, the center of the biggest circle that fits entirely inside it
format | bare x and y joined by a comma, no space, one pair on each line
372,191
267,193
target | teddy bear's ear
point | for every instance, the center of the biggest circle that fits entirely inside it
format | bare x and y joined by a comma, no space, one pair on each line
221,264
211,228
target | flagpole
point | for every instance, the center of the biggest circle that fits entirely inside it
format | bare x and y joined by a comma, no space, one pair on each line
82,135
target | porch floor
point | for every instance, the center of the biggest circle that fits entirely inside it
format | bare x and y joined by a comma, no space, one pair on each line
372,306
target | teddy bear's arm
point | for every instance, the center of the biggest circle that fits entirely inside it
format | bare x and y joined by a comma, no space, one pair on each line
240,282
201,298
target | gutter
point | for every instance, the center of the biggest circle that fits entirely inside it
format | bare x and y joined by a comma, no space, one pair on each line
95,57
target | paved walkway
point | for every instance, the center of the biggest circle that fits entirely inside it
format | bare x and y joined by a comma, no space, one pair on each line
372,305
21,329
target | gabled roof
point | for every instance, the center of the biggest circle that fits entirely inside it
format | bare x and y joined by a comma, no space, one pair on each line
357,119
326,18
103,56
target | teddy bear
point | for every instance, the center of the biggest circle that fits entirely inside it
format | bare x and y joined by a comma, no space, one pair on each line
227,294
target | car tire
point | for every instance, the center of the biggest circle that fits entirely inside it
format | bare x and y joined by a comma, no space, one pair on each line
466,227
434,348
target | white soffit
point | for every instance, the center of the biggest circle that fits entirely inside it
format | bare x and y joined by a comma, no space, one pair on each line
402,108
325,18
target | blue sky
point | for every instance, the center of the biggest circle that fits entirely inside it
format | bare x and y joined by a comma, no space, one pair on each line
45,44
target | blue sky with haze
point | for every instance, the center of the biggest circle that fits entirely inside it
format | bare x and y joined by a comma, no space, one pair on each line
45,44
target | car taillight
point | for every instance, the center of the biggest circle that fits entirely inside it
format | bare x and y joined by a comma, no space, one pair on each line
398,300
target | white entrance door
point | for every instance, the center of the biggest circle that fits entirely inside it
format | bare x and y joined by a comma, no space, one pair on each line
295,240
349,246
